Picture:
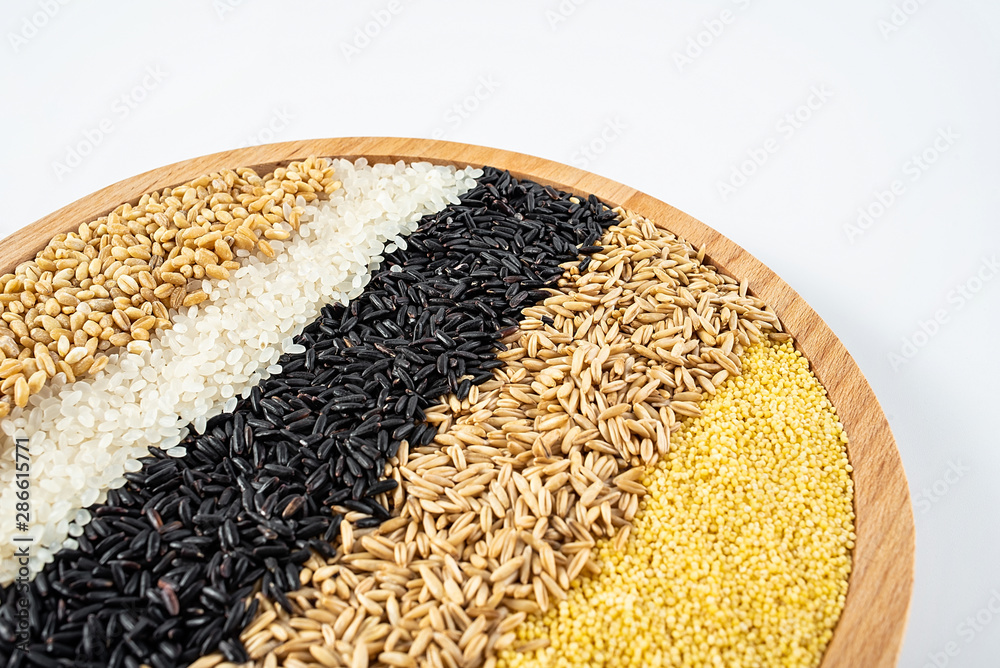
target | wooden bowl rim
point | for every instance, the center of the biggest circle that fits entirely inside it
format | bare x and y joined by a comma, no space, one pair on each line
871,627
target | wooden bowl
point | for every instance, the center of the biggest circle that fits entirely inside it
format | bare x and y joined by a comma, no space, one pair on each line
870,630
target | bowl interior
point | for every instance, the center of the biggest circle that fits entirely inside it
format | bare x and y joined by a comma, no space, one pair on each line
870,629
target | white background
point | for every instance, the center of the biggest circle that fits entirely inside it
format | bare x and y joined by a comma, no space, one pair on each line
670,97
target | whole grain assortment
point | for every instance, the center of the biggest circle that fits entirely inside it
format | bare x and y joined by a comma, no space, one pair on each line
407,415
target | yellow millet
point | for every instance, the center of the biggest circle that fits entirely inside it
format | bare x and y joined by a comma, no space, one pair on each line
739,555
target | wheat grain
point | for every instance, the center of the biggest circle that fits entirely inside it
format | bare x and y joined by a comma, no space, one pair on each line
137,263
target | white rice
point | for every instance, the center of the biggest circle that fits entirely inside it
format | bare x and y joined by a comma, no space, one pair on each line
84,436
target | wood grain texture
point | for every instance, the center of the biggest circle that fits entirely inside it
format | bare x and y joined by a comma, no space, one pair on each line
870,630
